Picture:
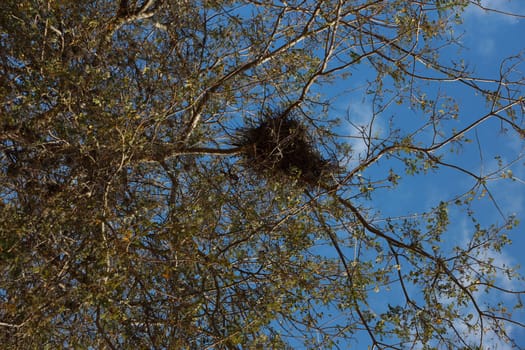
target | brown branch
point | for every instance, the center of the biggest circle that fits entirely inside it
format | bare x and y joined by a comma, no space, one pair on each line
490,9
163,151
413,248
11,325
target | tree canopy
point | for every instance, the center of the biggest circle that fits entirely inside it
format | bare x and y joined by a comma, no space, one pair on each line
176,175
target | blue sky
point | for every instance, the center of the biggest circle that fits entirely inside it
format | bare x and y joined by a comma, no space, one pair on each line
486,39
492,37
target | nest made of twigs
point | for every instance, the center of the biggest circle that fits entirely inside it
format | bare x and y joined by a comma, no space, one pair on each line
279,146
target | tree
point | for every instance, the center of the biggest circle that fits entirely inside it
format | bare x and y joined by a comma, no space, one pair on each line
134,212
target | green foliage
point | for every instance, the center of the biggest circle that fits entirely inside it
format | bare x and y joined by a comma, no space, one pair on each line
128,221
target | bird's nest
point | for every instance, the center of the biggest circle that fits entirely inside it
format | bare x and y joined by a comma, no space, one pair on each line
278,146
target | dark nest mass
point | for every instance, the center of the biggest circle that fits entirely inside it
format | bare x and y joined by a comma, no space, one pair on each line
279,146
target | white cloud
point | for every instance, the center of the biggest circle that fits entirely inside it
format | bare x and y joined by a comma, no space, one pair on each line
502,10
360,124
491,28
491,340
486,47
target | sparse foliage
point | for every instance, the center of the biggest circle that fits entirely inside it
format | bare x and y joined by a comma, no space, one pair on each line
149,200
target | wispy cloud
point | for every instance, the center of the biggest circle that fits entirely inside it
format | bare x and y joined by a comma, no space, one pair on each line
486,47
360,126
501,260
491,22
495,11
